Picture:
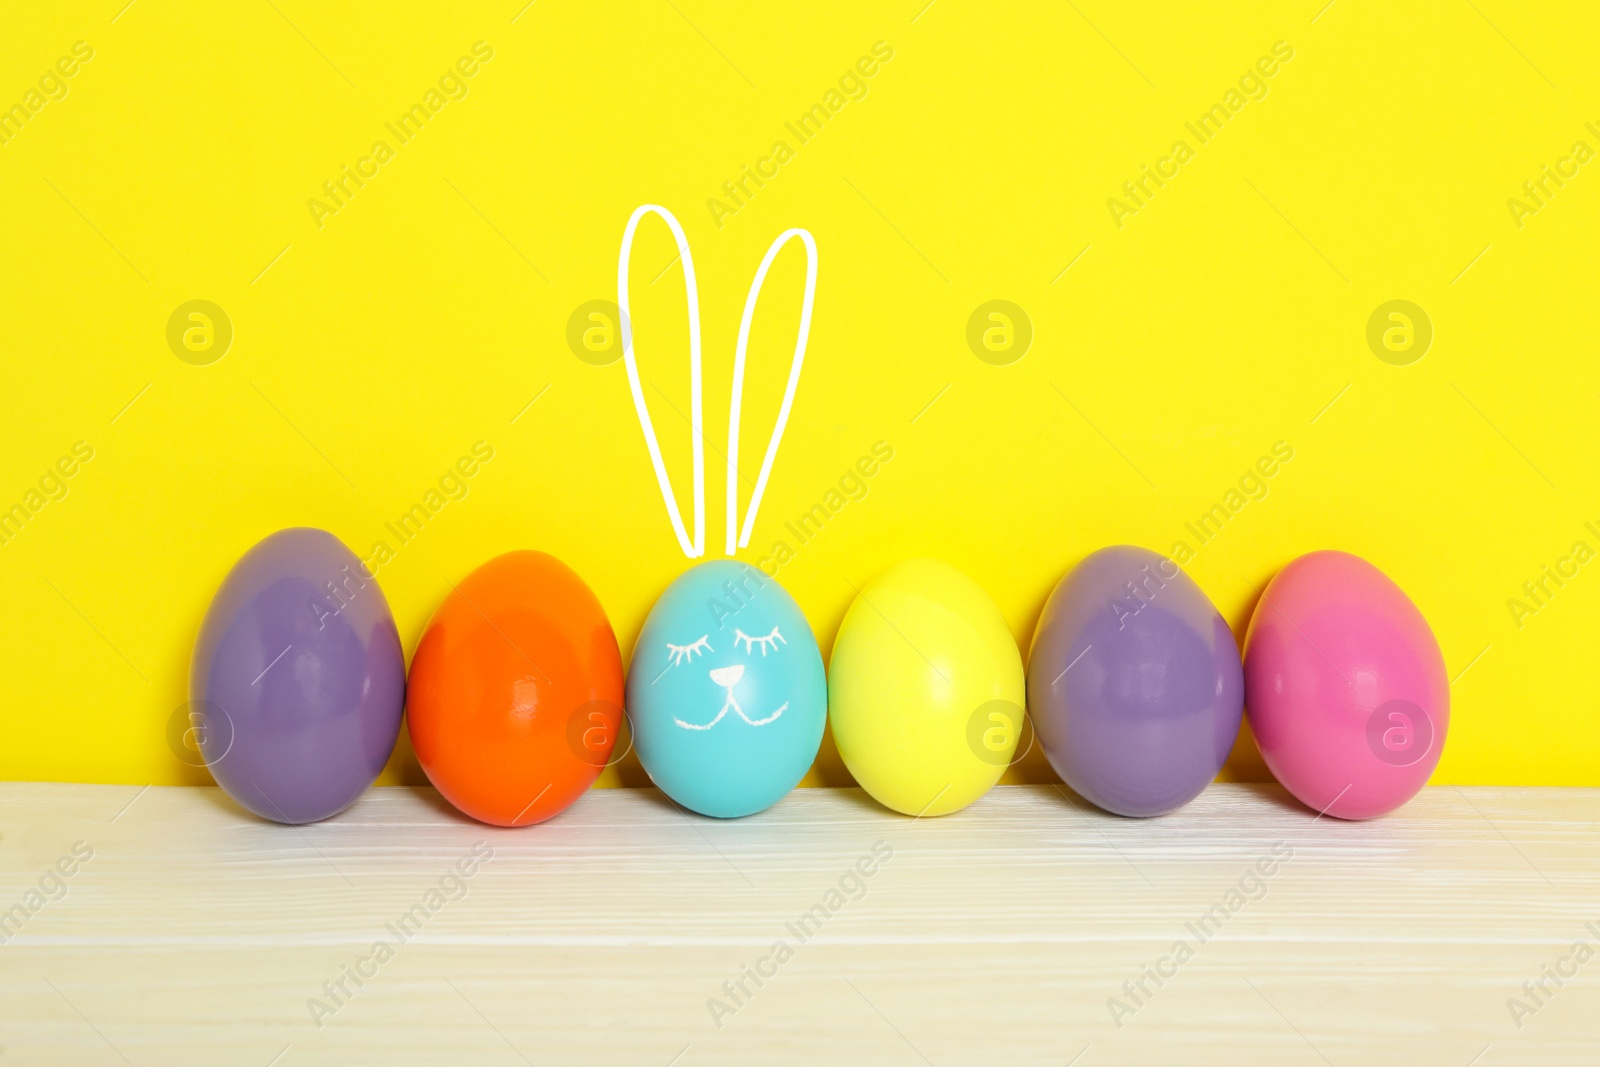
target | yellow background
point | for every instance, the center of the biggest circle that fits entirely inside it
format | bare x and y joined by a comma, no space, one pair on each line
370,353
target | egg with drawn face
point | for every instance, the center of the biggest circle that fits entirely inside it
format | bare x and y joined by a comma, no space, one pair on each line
727,697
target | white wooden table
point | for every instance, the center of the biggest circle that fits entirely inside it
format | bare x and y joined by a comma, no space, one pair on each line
198,934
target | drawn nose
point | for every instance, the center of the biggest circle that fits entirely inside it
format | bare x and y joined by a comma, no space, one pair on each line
727,677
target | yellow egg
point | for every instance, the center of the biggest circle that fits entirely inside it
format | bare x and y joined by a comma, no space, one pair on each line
925,689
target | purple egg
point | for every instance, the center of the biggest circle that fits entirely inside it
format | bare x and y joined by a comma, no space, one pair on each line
298,680
1134,683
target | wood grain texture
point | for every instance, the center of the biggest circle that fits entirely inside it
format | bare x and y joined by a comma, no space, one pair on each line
198,934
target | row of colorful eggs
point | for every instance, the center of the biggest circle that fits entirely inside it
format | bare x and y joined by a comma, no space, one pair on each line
1134,685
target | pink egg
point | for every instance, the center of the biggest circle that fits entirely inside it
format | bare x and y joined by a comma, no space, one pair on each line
1345,687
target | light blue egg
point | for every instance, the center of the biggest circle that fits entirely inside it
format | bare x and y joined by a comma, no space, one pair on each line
727,697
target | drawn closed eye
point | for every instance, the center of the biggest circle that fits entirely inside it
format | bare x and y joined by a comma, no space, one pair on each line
685,653
769,642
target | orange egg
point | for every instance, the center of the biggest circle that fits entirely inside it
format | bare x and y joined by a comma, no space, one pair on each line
515,694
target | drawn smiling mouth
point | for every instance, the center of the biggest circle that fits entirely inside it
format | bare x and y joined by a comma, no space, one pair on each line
727,678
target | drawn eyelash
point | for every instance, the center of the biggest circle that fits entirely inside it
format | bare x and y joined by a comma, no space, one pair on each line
769,642
684,653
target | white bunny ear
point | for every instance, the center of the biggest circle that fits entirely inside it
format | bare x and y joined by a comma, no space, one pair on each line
788,392
697,547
